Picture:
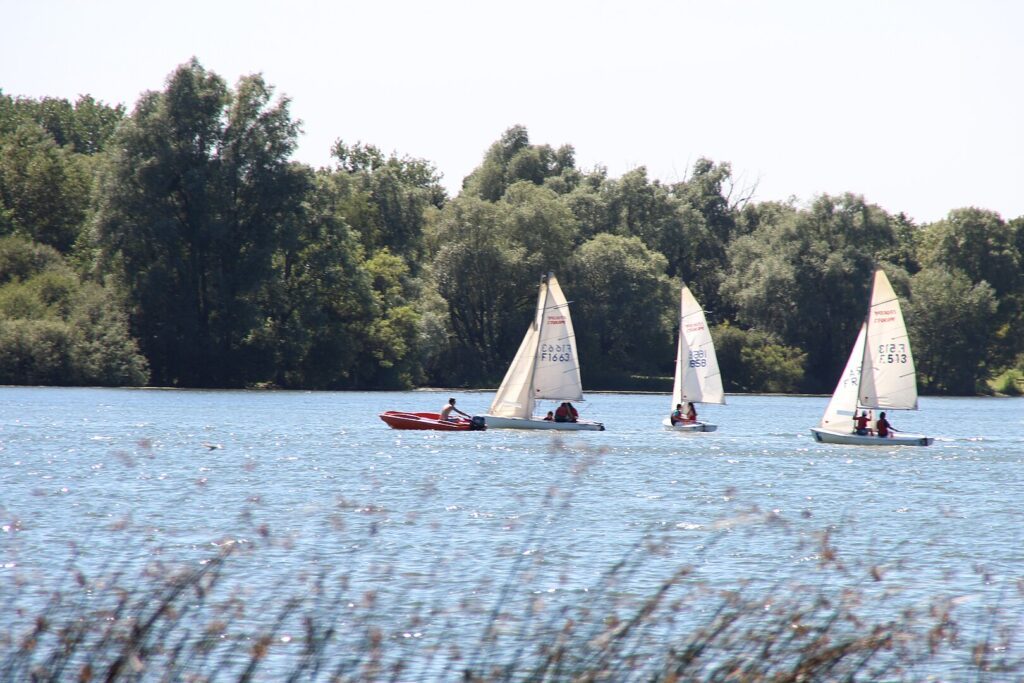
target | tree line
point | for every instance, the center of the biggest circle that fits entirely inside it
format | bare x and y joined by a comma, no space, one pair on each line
178,244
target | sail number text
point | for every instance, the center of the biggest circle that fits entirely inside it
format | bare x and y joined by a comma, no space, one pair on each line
892,353
556,353
698,359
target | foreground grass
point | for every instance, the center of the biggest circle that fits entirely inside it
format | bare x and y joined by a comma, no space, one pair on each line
362,615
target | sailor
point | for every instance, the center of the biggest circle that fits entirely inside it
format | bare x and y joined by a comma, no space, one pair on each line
446,412
882,427
860,423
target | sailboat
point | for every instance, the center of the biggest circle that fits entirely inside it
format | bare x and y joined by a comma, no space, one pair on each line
697,377
545,367
879,375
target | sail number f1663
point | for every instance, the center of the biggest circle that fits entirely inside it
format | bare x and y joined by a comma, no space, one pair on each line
555,353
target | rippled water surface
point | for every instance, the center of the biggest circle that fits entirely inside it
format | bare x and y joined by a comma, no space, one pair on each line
113,478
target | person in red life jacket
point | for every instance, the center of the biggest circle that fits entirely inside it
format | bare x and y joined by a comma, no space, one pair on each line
566,413
691,412
882,427
861,423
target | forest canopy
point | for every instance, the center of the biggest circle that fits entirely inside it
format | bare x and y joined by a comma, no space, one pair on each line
179,244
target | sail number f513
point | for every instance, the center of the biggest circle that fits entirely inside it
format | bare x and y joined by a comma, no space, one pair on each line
892,353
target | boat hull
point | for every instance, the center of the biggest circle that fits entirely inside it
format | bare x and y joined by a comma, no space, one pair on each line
689,426
397,419
496,422
849,439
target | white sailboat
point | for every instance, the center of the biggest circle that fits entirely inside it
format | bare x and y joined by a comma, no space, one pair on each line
697,379
879,375
545,367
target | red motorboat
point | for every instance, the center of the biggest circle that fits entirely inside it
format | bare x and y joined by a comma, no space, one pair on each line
397,419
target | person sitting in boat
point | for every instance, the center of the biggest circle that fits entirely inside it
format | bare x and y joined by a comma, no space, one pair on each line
566,413
677,414
691,412
860,423
550,417
446,412
882,427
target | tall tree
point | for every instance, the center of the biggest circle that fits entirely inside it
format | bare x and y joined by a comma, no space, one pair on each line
388,198
479,272
513,159
951,323
44,188
190,208
805,278
319,302
624,308
985,248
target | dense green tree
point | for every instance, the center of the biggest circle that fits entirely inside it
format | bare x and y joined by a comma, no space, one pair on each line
978,243
951,321
985,248
690,223
706,225
388,198
21,258
239,267
589,203
513,159
753,360
479,273
191,208
319,302
83,127
537,220
806,278
44,189
56,329
393,337
623,307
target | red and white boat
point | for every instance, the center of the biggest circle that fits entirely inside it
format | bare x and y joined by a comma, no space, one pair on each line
397,419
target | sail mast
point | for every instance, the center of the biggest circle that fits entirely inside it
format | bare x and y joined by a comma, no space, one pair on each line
865,330
542,306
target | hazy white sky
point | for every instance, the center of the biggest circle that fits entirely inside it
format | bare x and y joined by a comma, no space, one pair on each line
917,105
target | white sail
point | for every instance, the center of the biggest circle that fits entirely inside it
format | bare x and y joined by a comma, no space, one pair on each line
514,397
697,379
888,379
557,371
545,365
841,409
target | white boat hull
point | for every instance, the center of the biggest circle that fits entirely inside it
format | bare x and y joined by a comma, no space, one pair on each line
495,422
850,439
689,426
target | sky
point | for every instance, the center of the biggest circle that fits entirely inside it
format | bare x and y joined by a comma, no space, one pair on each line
917,105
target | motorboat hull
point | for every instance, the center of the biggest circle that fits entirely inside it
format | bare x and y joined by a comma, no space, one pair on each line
689,426
496,422
850,439
397,419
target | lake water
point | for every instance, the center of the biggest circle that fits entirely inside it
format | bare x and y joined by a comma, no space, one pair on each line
429,527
